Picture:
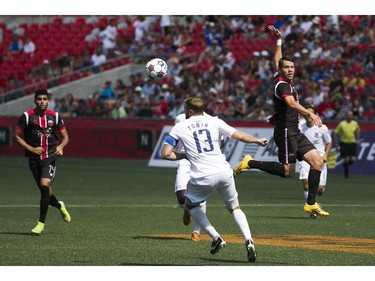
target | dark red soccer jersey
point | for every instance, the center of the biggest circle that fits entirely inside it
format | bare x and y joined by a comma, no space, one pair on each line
40,131
284,117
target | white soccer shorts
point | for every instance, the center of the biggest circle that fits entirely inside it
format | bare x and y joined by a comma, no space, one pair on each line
304,169
223,183
183,175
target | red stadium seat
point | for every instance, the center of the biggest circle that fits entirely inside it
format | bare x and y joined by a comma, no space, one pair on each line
21,75
80,21
57,21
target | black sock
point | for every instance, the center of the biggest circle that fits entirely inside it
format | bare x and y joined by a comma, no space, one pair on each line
44,202
273,168
314,179
54,202
346,170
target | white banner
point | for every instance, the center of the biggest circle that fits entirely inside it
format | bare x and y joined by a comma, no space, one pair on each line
156,160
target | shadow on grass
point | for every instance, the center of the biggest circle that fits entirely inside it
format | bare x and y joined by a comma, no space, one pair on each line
244,262
82,262
287,218
226,261
160,238
19,233
207,262
147,264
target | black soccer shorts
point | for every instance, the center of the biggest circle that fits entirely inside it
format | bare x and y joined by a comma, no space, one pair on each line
45,168
292,145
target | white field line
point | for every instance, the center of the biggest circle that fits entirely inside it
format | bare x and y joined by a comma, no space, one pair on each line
176,206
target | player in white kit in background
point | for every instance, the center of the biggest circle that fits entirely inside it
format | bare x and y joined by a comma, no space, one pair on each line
200,136
321,139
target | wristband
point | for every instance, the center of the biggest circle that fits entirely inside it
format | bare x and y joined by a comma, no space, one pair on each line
278,42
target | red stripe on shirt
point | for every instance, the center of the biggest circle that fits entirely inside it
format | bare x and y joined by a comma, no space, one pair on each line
43,139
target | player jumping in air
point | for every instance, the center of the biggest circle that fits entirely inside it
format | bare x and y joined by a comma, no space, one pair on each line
291,143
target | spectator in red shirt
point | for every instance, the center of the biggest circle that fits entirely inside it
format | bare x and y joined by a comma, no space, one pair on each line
161,108
326,108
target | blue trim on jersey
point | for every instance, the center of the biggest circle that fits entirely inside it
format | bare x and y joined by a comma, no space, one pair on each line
171,141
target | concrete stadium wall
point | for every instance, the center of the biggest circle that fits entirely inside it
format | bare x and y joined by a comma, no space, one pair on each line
81,88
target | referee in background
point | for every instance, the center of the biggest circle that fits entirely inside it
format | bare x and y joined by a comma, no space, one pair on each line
348,130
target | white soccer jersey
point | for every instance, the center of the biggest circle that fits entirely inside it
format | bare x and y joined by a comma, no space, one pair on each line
201,139
180,118
319,137
179,148
183,170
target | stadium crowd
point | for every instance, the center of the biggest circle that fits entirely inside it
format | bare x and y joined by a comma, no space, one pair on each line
228,58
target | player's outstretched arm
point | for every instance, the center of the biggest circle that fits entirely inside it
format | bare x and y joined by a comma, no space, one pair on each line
278,51
289,100
247,138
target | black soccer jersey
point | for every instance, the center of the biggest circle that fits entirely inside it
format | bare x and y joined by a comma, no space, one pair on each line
284,116
40,131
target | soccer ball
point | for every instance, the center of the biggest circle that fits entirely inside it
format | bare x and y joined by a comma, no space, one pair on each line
156,69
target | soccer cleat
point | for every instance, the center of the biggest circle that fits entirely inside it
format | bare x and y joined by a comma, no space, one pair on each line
315,209
64,213
251,253
243,165
217,245
38,229
186,218
195,237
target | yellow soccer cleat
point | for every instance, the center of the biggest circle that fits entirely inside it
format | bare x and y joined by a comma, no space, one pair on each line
315,209
242,166
38,229
64,213
195,237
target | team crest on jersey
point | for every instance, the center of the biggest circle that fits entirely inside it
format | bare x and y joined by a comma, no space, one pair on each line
35,122
50,123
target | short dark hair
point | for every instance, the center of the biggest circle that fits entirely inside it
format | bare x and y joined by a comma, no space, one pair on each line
286,58
310,105
41,92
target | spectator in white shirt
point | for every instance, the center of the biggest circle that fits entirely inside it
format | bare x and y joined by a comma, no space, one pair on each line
108,36
141,26
97,59
29,46
165,23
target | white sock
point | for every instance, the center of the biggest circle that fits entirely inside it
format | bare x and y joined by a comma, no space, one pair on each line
200,217
197,227
243,225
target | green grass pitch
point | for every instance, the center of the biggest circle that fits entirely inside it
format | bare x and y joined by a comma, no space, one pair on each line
124,213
